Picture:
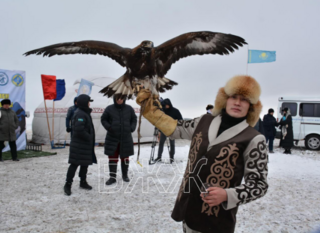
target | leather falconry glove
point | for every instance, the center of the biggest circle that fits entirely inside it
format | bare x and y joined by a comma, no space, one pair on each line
154,115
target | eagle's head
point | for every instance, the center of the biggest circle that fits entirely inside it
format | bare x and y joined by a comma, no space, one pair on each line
145,48
146,44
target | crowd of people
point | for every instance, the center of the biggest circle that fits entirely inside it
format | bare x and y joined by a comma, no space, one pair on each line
226,146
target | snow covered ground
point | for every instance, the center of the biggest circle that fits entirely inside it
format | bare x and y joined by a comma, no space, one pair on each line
32,198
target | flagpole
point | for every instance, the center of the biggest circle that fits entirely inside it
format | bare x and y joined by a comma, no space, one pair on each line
47,118
247,60
53,121
45,105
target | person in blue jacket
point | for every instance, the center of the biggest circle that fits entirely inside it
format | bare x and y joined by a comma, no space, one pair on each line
70,114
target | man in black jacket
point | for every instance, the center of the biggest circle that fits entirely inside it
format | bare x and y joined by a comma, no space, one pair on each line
269,124
82,144
120,121
176,115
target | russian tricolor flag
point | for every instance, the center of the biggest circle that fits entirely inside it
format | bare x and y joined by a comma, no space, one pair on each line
53,89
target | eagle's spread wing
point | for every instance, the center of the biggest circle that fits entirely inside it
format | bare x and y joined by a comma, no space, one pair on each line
194,43
111,50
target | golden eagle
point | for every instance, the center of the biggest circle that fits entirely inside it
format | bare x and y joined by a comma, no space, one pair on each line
147,65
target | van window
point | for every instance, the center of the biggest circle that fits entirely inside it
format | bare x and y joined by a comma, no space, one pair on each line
291,106
309,110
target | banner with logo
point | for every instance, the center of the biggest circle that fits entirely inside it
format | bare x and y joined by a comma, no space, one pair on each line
13,87
85,87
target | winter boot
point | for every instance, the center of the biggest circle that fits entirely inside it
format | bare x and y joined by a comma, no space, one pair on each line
112,172
1,160
171,159
67,188
158,159
124,169
85,185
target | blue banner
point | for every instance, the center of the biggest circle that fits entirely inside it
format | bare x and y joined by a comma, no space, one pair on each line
260,56
61,89
13,87
85,87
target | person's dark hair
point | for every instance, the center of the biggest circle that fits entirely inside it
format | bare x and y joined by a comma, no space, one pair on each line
270,110
209,106
285,109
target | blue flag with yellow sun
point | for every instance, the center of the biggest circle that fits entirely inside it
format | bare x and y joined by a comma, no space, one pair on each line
259,56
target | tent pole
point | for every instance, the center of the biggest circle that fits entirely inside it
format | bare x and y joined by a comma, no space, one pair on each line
247,60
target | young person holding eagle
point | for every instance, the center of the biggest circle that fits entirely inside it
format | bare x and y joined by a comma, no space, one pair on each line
224,150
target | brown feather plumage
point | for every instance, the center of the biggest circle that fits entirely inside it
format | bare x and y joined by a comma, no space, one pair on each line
145,62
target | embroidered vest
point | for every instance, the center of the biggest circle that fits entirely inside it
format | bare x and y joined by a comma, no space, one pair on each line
221,166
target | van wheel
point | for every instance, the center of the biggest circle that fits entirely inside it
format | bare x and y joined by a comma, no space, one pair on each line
312,142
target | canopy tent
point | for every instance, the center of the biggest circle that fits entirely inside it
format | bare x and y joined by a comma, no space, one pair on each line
40,132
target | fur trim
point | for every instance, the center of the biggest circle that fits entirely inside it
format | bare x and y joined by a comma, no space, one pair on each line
220,102
245,86
254,114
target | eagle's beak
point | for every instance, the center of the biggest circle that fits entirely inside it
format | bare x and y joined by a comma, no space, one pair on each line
150,45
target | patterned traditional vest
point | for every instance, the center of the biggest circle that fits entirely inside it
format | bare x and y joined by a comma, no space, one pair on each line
221,166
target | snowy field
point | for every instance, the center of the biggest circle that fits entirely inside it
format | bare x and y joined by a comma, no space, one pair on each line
32,198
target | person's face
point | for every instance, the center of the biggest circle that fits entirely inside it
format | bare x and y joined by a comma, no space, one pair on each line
167,106
237,106
119,101
88,104
6,106
271,113
75,103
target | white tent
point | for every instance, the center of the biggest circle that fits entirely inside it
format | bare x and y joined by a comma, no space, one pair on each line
40,133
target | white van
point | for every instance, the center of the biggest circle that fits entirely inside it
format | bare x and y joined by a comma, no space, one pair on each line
305,114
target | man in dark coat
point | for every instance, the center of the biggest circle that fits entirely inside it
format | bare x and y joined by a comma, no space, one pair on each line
70,113
269,124
120,121
286,141
8,124
176,115
82,144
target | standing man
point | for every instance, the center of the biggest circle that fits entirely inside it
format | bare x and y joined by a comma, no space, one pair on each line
8,124
82,144
120,121
175,114
70,113
224,150
269,124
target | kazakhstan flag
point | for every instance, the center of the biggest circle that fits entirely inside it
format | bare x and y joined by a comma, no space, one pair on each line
259,56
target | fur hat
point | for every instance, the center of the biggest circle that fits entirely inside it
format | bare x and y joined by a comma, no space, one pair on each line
5,101
241,85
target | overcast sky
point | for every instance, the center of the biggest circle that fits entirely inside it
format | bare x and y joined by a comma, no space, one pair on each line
291,28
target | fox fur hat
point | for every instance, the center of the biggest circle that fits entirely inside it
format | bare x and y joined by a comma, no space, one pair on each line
241,85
